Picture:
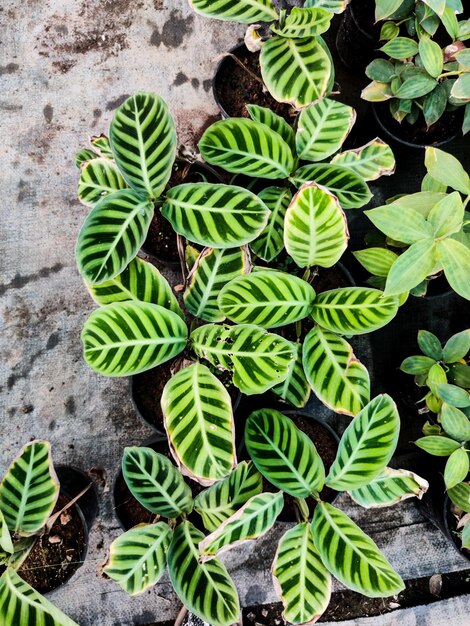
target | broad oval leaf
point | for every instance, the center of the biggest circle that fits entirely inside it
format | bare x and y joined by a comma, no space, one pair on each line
460,495
455,423
137,559
431,55
205,589
275,122
215,215
430,345
453,395
456,468
142,135
447,215
199,422
371,161
353,310
336,376
390,487
305,22
416,86
400,48
112,234
367,445
455,259
283,453
155,482
130,337
437,445
243,11
98,178
351,555
401,223
457,347
412,267
295,389
417,365
377,261
447,169
271,241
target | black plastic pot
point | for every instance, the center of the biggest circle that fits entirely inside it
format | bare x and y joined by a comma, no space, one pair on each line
357,40
72,482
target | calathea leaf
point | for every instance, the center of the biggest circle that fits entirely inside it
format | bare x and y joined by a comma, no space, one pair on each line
371,161
102,145
275,122
6,544
98,178
334,6
295,389
304,23
390,487
271,241
244,11
83,155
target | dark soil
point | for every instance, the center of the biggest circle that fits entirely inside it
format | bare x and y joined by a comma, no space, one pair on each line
57,554
331,278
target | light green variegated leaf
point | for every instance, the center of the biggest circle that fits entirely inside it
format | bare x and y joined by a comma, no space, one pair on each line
257,359
412,267
126,338
457,347
112,234
243,11
351,556
316,230
416,86
304,23
438,6
253,520
447,215
275,122
460,495
400,223
430,345
353,310
142,135
205,589
371,161
101,144
137,559
322,129
430,184
390,487
98,178
301,580
431,55
455,259
29,489
242,146
367,445
453,395
350,189
296,71
220,501
199,423
437,445
295,389
400,48
334,6
446,169
83,155
6,544
421,202
266,298
455,423
213,269
215,215
377,92
377,261
155,482
386,8
19,601
456,468
283,453
417,365
336,376
271,241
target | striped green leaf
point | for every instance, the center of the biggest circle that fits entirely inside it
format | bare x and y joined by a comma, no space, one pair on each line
301,580
437,445
143,140
295,389
322,129
283,453
242,146
213,269
266,298
371,161
112,234
6,544
244,11
271,241
350,188
460,495
377,261
275,122
137,559
296,71
101,144
353,310
126,338
367,445
83,155
316,230
456,468
29,489
155,482
220,501
215,215
199,422
431,55
304,23
351,555
20,604
400,48
334,6
253,520
336,376
390,487
98,178
455,423
258,360
453,395
205,589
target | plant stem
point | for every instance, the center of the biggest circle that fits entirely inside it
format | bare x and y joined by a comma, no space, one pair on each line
243,66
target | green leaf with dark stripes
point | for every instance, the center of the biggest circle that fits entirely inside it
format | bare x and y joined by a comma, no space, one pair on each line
126,338
220,501
296,71
112,234
137,559
301,580
351,555
6,544
437,445
242,146
377,261
353,310
213,269
29,489
304,23
431,55
143,140
456,468
244,11
257,359
252,521
316,230
460,495
101,144
83,155
295,389
336,376
417,365
155,482
400,48
390,487
416,86
371,161
455,423
271,241
266,298
215,215
275,122
205,589
322,129
283,453
98,178
199,422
